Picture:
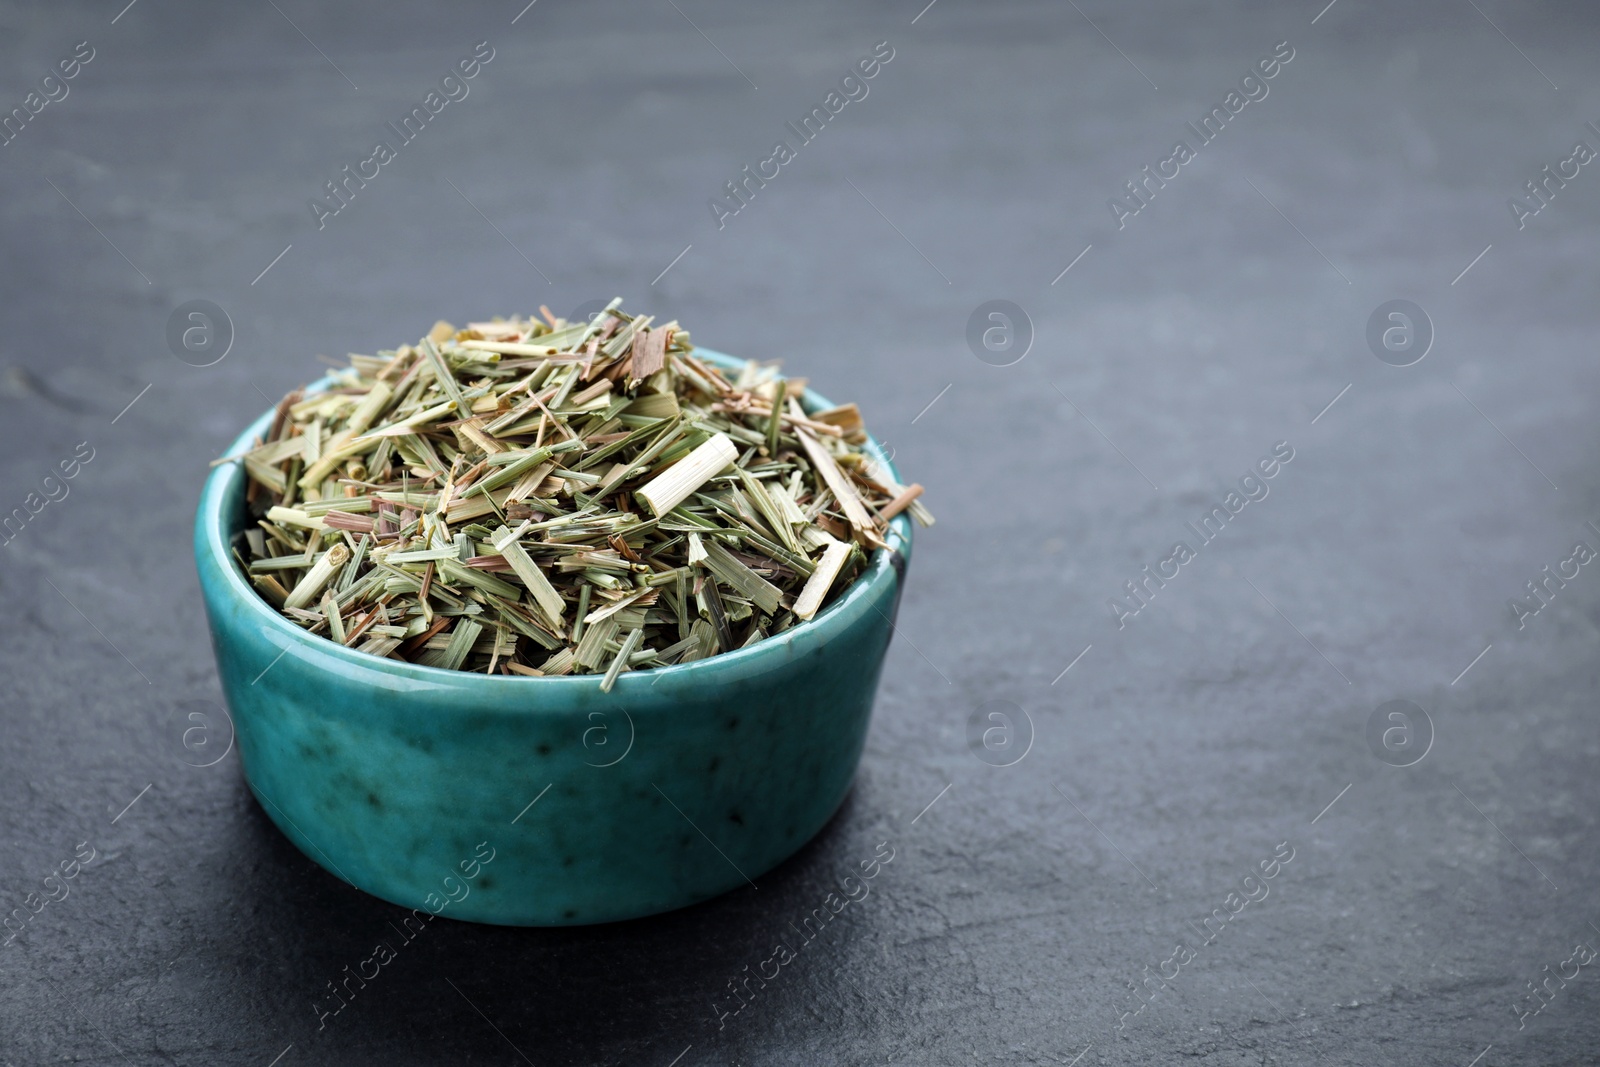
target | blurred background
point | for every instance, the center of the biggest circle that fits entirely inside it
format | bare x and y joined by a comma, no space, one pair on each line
1166,321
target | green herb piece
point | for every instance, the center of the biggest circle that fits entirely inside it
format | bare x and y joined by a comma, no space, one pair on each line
620,662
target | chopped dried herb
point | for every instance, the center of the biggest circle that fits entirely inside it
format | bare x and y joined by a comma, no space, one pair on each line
541,497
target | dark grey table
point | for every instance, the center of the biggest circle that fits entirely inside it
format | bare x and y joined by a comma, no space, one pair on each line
1087,884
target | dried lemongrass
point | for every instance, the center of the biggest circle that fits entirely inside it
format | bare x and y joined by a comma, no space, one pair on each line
321,572
821,580
675,485
539,497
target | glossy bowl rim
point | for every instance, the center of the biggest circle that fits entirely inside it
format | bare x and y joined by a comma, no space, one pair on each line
832,621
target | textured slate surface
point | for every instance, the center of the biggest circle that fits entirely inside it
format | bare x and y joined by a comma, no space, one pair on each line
1171,759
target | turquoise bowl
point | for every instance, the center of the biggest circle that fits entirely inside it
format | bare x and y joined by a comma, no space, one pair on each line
543,801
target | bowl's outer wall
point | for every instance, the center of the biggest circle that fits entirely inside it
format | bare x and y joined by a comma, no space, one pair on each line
678,785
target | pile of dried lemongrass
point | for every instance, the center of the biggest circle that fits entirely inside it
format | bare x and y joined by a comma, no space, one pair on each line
545,497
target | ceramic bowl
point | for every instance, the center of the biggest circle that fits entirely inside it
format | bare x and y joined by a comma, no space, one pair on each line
543,801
